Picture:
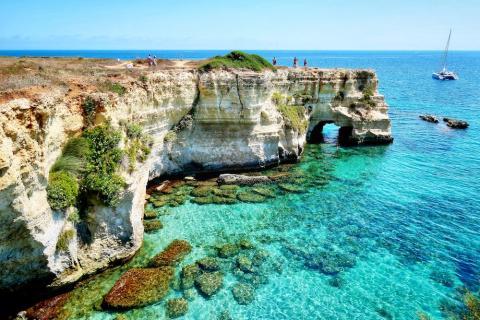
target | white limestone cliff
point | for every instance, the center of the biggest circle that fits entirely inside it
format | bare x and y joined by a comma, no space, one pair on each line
218,121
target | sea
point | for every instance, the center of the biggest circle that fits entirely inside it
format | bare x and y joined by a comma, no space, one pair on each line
384,232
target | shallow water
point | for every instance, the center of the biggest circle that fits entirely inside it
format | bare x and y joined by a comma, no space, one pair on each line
396,227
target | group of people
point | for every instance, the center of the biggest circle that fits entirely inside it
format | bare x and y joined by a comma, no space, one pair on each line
295,62
152,61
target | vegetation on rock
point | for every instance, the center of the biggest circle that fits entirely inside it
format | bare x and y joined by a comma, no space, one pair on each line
88,166
64,239
62,190
293,115
137,145
237,60
103,161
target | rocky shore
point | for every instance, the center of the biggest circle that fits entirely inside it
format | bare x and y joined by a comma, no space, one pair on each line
189,121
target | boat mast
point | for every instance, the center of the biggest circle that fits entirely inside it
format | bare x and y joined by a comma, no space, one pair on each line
445,53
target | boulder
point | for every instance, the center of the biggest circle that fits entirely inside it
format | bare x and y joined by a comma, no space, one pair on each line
209,283
250,197
456,124
238,179
173,254
209,264
176,307
188,275
243,293
429,118
139,287
47,309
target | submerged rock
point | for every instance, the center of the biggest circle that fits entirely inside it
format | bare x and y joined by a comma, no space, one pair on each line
48,309
260,257
176,307
209,264
243,293
209,283
289,187
330,263
456,124
139,287
228,250
429,118
152,225
149,214
190,294
173,254
244,263
238,179
250,197
245,244
188,275
266,192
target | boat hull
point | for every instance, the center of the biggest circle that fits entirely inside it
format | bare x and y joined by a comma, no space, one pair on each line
440,76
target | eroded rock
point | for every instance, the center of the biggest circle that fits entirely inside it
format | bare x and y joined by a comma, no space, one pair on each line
456,124
243,293
173,254
238,179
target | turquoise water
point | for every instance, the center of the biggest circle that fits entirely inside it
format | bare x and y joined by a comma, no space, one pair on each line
380,233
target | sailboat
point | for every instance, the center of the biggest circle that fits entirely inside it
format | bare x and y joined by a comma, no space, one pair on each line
445,74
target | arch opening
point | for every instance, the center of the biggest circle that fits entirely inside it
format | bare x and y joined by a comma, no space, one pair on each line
329,132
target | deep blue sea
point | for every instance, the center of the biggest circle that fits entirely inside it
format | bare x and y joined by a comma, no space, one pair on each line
379,233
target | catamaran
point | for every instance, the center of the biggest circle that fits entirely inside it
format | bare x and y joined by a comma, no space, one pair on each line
445,74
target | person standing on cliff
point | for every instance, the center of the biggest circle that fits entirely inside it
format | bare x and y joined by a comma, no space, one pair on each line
274,61
305,62
295,62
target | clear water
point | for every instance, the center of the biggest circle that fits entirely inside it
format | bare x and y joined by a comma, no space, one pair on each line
407,214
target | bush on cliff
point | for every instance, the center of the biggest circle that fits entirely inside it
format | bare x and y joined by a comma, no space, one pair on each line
237,60
88,165
62,190
102,163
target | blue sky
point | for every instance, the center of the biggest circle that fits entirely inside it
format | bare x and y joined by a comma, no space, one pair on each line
242,24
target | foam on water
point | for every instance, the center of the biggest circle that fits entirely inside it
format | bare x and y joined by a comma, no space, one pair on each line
395,227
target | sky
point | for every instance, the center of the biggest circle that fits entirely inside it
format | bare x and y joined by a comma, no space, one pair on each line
240,24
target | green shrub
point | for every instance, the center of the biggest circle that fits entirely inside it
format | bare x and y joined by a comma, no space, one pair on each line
368,93
107,187
294,117
134,131
237,60
68,164
64,239
90,109
113,87
73,216
143,78
278,98
62,190
103,161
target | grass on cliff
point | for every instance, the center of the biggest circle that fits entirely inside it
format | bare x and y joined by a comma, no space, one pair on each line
237,60
293,115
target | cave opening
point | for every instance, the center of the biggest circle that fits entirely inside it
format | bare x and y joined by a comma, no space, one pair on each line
329,132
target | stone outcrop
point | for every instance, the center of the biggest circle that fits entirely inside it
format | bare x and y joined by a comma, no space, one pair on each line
456,124
199,122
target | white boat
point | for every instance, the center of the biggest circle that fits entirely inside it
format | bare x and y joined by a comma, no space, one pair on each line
445,74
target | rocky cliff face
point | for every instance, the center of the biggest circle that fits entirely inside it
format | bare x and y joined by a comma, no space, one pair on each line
215,121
